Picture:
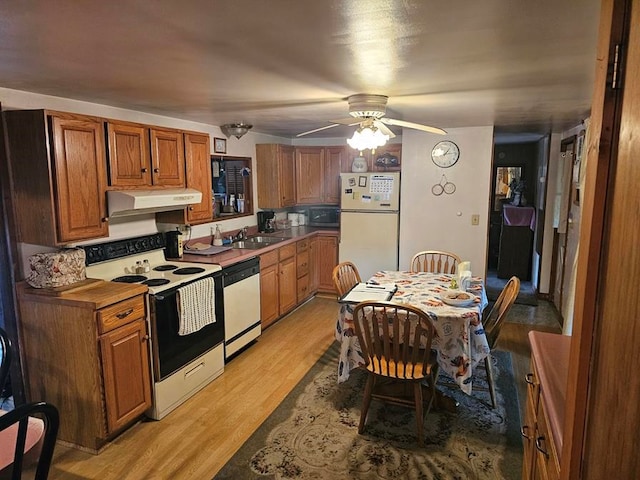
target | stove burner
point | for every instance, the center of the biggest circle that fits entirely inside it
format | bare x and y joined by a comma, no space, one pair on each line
129,279
156,282
188,270
164,268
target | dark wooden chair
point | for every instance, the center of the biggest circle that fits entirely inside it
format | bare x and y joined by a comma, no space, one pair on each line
345,275
396,345
27,433
492,323
435,261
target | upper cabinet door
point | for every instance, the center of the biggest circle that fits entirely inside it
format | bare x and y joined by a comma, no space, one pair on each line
198,164
309,175
286,168
334,157
167,158
80,178
129,157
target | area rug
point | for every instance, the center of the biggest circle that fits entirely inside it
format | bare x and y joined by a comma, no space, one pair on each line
313,434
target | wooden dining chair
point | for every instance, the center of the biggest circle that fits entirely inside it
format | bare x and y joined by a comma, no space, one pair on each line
396,344
345,275
435,261
492,324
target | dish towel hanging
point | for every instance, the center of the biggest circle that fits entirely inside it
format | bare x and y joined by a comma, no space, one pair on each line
196,306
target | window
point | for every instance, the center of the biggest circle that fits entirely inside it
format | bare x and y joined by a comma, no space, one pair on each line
232,186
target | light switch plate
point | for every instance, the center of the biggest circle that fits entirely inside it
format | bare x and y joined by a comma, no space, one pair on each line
475,219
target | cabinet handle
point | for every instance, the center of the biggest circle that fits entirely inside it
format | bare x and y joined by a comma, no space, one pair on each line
529,378
144,170
523,429
125,314
539,441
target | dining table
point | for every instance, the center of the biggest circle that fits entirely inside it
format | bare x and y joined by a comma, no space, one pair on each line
459,339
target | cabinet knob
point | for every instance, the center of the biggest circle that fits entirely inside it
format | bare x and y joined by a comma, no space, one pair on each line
145,338
156,170
191,209
105,219
144,170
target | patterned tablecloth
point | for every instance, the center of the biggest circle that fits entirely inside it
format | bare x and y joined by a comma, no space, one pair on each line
459,339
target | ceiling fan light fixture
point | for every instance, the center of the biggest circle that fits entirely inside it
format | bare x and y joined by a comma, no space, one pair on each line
235,129
367,137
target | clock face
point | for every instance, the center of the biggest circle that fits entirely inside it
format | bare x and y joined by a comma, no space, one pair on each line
445,154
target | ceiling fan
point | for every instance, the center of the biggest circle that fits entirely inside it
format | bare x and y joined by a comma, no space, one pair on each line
368,110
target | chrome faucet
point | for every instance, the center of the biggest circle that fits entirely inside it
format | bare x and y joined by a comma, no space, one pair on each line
241,235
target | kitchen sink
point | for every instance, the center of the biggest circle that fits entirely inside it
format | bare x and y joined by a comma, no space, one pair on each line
255,243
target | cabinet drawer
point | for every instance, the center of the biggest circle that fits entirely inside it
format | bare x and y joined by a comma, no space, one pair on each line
268,259
303,288
120,314
302,264
302,245
287,251
546,456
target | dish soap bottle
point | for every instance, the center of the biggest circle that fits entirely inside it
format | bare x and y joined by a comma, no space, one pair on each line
217,237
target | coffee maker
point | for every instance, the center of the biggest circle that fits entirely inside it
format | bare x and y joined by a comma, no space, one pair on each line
266,219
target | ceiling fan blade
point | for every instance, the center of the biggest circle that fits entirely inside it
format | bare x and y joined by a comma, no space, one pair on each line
383,128
416,126
348,121
318,129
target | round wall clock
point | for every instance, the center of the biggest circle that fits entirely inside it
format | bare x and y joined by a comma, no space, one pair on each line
445,154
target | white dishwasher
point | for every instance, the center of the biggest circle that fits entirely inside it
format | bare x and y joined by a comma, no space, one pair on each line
241,283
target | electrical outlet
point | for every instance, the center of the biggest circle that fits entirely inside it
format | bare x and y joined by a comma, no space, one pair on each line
475,219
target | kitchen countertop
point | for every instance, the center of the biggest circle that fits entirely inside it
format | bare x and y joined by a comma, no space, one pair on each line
235,255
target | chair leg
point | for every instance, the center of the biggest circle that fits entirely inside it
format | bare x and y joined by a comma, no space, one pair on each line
417,389
492,389
366,401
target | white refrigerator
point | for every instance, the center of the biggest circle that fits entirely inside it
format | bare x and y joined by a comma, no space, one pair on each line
369,221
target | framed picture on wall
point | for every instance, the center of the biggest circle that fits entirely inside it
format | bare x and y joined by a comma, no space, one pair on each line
219,145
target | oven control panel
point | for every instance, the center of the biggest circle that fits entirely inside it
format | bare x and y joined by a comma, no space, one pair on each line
101,252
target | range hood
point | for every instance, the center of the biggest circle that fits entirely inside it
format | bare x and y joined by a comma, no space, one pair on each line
136,202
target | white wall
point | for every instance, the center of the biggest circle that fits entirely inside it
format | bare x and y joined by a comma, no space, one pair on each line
429,222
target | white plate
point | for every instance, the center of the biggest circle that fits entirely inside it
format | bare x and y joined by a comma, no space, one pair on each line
457,298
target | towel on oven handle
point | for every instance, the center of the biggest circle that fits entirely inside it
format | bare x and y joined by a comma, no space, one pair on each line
196,306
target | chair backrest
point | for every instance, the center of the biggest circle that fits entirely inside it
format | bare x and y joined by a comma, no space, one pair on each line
395,339
493,322
345,275
21,429
435,261
5,358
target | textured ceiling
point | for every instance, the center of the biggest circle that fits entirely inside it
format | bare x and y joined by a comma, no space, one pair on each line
287,66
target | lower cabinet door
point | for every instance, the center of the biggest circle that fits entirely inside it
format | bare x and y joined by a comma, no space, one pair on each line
126,372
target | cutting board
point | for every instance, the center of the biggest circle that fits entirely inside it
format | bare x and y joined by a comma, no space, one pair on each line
212,250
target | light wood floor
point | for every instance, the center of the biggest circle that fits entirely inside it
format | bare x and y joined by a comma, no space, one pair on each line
198,438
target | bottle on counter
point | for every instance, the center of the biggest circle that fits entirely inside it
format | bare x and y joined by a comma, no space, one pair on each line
146,267
139,267
217,237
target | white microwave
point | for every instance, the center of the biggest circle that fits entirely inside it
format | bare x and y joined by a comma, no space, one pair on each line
324,216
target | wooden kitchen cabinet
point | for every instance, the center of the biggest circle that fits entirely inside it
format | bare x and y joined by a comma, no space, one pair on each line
58,176
87,352
334,159
327,260
198,176
313,265
287,279
275,166
145,156
269,298
278,283
303,270
546,384
309,175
